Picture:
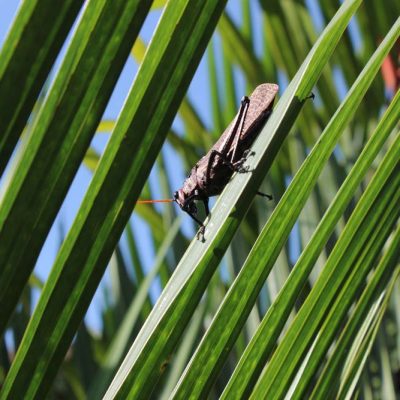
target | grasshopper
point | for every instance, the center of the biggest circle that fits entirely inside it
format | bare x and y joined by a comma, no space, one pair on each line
213,171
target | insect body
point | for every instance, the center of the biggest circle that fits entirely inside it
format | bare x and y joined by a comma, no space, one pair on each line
213,171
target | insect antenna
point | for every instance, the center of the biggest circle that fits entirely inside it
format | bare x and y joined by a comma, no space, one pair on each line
155,201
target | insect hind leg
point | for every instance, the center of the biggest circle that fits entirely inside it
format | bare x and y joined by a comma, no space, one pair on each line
191,210
232,141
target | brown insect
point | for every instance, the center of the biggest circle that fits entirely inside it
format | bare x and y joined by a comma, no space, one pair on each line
213,171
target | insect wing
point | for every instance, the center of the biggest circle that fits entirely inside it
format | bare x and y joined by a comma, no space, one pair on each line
261,101
260,106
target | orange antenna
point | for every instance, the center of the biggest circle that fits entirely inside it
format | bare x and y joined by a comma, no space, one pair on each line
154,201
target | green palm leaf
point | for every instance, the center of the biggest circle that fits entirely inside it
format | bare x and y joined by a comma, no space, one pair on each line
295,298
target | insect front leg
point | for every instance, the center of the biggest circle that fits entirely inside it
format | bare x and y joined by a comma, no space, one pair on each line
190,208
200,233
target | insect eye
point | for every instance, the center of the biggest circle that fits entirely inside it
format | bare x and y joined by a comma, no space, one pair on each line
176,195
